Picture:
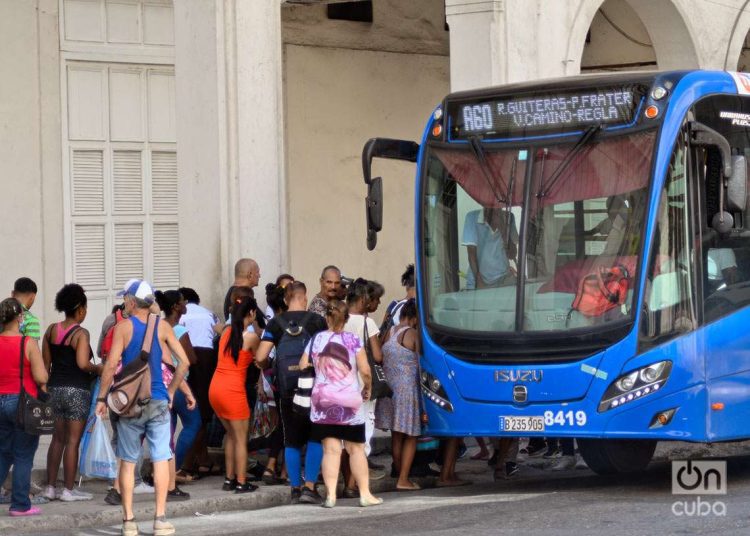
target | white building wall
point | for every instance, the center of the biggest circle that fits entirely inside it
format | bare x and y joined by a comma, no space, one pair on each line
271,115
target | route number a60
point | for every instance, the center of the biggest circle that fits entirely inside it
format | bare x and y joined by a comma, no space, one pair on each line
565,418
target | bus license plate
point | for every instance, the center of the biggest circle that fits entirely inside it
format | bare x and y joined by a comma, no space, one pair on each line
522,424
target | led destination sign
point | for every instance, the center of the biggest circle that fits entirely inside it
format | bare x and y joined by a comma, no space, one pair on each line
507,117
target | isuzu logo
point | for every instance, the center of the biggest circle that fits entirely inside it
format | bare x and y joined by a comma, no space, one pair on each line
527,376
520,394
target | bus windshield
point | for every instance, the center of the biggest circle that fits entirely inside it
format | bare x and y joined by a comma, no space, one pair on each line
575,213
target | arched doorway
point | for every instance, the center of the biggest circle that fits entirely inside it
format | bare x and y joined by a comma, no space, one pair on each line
617,40
617,35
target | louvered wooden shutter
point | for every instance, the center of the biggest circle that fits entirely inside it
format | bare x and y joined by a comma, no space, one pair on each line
128,252
88,256
87,173
166,256
164,182
127,181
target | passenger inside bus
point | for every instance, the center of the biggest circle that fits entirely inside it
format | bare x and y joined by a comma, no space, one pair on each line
485,234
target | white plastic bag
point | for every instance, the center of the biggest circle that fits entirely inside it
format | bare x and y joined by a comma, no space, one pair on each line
99,459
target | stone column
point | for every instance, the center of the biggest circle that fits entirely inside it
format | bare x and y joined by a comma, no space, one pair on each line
229,141
495,42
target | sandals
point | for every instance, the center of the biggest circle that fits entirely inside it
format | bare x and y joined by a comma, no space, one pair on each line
184,476
209,470
271,479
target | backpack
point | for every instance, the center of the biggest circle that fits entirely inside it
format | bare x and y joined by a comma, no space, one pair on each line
289,350
601,290
131,390
109,336
388,321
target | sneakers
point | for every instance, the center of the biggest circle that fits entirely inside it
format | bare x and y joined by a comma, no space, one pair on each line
532,451
229,484
162,527
129,528
143,488
564,463
113,497
50,493
33,511
71,495
296,494
177,494
511,469
377,474
309,496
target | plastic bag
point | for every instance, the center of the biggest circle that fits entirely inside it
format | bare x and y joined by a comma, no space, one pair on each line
264,421
97,457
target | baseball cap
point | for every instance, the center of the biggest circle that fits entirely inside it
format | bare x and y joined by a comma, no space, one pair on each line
138,288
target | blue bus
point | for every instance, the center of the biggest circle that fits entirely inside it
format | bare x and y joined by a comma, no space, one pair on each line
583,261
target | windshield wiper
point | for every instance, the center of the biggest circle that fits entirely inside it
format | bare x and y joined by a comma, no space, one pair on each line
585,138
478,150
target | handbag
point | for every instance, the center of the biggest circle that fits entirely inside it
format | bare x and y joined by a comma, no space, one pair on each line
131,391
602,290
33,415
305,383
380,387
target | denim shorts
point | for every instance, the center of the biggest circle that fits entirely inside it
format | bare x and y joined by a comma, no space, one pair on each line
155,424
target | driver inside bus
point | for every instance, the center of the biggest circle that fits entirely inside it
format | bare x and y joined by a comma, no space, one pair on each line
484,236
614,226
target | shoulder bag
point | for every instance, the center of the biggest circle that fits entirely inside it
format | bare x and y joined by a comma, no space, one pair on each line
380,387
305,384
131,391
33,415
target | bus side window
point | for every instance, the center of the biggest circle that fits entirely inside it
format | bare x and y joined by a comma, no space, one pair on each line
669,302
725,257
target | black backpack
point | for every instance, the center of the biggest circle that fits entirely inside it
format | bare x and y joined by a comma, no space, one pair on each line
289,350
388,320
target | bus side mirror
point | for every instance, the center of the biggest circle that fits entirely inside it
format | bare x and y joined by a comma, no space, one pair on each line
381,148
374,210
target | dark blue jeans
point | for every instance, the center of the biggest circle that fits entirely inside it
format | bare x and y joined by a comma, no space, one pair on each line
17,449
191,424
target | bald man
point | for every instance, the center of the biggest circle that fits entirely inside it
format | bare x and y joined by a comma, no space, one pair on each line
246,274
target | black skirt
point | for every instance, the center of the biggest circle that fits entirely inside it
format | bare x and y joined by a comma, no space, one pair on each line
354,433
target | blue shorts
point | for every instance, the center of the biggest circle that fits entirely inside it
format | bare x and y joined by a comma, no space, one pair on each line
155,424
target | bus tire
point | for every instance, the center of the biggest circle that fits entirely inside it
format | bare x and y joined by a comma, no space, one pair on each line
613,456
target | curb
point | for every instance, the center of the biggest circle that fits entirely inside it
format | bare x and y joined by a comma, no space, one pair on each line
265,497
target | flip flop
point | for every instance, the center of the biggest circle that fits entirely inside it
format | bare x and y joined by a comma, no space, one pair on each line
452,483
416,487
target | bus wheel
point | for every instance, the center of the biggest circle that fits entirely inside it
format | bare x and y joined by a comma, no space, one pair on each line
612,456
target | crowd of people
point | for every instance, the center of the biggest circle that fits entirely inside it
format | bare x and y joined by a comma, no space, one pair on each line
306,366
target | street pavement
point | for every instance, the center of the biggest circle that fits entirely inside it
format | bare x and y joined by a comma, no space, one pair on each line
536,501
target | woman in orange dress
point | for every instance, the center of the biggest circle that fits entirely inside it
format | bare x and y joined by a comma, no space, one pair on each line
228,395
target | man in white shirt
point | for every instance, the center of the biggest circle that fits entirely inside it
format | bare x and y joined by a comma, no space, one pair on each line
198,320
484,236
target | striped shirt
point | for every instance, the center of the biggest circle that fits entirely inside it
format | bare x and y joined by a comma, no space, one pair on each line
31,327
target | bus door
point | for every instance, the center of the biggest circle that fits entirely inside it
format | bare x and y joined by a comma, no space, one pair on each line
724,265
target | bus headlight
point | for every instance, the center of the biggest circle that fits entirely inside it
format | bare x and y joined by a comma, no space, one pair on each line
635,384
627,382
433,390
